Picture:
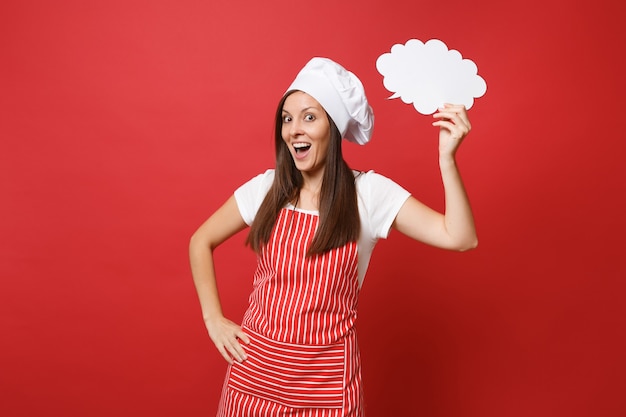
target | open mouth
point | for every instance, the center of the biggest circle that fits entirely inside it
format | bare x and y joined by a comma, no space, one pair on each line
301,147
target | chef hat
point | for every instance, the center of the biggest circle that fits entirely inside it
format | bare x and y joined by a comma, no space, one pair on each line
341,94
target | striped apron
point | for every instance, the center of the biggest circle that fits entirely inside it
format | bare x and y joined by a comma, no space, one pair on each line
303,359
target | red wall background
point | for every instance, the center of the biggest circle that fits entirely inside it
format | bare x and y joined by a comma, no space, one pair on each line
124,124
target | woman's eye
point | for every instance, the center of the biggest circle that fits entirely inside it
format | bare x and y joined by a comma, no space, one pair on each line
309,117
286,119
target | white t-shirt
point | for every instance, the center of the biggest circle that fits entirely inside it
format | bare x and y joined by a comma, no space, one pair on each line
379,200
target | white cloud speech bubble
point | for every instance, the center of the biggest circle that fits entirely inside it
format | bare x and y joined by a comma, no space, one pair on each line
429,75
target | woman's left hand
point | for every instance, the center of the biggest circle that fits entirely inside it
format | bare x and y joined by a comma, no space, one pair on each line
454,125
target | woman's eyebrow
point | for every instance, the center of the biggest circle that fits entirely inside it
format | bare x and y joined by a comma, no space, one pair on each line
303,110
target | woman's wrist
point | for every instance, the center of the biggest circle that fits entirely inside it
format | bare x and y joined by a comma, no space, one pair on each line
447,161
212,316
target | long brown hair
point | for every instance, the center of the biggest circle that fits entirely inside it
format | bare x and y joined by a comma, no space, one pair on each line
338,207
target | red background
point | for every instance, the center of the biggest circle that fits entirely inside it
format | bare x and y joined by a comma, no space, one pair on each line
124,124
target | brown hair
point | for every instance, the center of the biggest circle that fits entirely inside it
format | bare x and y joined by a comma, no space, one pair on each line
338,207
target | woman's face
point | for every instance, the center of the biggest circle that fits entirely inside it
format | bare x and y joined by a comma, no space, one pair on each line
306,131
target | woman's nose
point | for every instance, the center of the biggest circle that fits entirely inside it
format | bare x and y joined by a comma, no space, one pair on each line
295,128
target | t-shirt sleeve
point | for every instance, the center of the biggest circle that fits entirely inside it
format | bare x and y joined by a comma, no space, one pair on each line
382,199
251,194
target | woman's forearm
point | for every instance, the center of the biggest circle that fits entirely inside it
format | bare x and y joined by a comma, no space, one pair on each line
203,272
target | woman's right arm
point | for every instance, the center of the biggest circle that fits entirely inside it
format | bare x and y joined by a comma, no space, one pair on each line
224,223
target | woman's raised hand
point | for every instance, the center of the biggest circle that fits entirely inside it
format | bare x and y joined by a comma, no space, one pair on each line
454,125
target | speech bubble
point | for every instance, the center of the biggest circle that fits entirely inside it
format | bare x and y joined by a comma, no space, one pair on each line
429,75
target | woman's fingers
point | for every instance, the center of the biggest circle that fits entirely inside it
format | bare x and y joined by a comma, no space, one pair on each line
243,337
226,336
453,117
236,351
222,350
232,352
455,112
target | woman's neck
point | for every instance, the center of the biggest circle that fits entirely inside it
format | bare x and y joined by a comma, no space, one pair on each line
312,182
309,197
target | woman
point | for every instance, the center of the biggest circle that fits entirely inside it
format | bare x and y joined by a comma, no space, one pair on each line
314,223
